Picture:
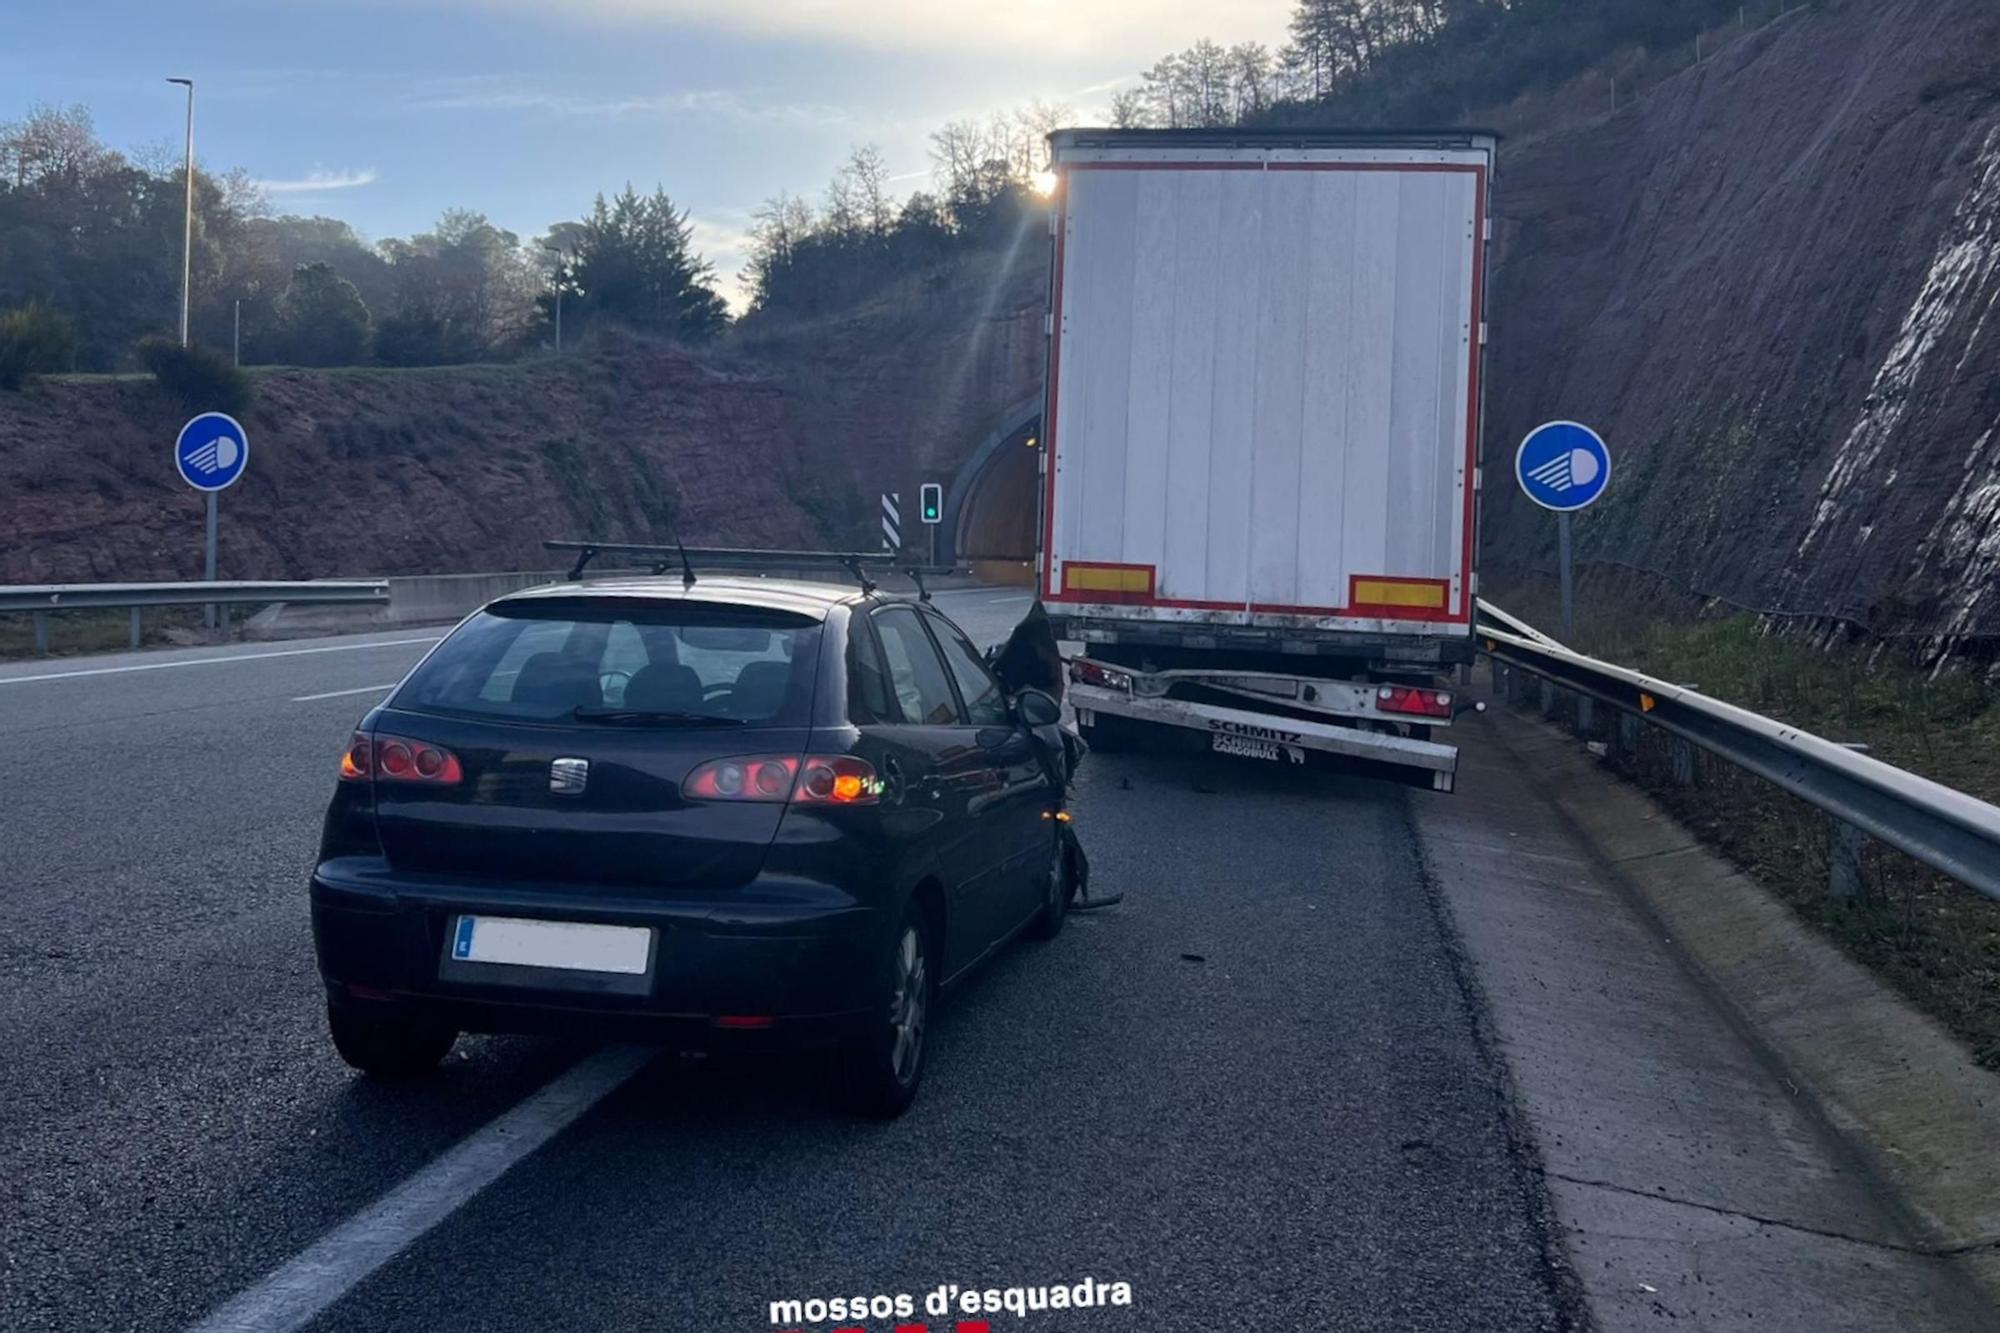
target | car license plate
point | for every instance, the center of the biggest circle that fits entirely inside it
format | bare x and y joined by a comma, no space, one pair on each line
1251,748
575,946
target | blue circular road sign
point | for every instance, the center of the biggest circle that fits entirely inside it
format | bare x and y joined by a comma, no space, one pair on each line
1563,466
212,452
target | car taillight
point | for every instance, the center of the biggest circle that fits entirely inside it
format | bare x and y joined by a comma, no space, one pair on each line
1410,699
394,759
813,780
838,780
1086,672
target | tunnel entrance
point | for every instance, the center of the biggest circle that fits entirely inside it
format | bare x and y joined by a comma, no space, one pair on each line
991,506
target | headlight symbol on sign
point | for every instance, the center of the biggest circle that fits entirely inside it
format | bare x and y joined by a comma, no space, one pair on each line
1563,466
212,451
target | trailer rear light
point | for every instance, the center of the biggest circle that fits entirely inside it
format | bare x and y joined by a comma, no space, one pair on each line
813,780
1086,672
1410,699
394,759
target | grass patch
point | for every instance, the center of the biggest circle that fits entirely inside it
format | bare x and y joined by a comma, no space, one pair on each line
1935,941
74,633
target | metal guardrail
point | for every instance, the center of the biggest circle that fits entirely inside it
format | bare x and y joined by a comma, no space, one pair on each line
1945,829
40,599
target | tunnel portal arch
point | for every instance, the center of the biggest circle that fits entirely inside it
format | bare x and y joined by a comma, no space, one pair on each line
991,506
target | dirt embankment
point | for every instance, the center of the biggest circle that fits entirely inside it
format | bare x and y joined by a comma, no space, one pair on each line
1772,282
387,472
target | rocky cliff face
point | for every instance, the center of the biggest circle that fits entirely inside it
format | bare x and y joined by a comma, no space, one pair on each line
1774,284
372,472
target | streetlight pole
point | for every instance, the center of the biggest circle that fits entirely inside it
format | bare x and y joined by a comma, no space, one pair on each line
559,278
187,275
187,213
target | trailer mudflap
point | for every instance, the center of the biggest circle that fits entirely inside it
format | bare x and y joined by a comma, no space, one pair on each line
1440,761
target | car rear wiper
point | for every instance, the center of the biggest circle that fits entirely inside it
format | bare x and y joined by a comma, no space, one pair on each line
664,716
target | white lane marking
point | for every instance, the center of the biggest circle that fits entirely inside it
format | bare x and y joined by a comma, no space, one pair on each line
326,1270
215,661
342,694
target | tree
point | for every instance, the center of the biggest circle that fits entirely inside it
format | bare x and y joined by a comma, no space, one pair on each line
322,320
1130,109
778,232
1251,81
636,263
464,292
52,144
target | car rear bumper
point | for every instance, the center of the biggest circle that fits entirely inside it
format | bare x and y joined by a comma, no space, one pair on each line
797,954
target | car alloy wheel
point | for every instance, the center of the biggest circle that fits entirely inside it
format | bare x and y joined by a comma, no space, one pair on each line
909,1004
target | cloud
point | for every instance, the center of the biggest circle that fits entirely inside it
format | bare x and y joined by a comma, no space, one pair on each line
721,104
318,181
1130,29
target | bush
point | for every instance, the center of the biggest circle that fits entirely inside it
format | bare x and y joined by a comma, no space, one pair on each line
34,340
198,378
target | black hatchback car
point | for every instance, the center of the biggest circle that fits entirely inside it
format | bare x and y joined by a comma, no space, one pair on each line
745,810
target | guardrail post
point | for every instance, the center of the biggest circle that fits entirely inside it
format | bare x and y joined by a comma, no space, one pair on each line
135,627
1844,869
222,619
1548,697
1585,716
1628,734
42,633
1684,770
1844,845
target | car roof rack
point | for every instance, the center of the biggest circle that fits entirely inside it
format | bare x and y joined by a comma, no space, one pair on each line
662,559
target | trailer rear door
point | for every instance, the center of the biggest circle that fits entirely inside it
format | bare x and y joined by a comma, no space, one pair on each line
1264,381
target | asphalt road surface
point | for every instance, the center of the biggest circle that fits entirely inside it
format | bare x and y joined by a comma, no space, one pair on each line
1256,1092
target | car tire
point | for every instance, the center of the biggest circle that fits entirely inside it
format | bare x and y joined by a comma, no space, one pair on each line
1057,894
882,1064
387,1044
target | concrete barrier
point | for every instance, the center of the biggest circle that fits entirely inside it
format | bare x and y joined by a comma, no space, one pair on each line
428,599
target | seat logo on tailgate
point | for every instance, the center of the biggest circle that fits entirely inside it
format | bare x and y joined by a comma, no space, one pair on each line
1257,733
568,777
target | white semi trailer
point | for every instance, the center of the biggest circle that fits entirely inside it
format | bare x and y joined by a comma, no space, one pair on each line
1261,438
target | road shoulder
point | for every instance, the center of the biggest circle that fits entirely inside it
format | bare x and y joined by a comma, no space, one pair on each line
1667,1036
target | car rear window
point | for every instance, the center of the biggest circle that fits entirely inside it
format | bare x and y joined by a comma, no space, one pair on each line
544,661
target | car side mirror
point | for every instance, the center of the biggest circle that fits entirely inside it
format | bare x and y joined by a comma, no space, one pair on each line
1037,708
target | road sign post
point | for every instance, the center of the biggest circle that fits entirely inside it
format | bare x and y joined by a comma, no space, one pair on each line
1562,558
211,453
1563,467
931,509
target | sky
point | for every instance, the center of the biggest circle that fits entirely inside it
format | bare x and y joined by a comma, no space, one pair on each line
387,112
